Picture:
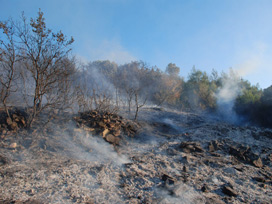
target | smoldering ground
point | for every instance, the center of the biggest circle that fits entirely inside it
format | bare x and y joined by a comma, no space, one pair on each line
193,165
59,165
173,158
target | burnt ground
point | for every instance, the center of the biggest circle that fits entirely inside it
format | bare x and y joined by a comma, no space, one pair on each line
173,158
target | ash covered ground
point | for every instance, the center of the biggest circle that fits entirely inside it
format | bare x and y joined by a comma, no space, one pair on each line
172,157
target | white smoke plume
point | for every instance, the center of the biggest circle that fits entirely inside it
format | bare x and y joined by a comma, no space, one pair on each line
182,194
226,96
95,149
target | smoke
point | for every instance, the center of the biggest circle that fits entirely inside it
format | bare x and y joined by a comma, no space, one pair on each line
226,96
171,123
182,194
111,50
93,148
249,67
254,64
94,89
99,80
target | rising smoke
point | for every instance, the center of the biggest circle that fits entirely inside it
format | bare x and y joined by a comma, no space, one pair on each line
182,194
87,147
226,95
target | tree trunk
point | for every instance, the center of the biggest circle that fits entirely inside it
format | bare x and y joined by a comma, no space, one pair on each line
6,108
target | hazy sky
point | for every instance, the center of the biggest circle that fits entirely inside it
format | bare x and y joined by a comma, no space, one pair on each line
209,34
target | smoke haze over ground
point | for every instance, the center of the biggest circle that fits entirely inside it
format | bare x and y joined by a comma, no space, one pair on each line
174,158
102,132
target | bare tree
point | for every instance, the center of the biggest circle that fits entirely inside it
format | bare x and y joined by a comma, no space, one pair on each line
8,58
61,96
43,52
130,94
137,103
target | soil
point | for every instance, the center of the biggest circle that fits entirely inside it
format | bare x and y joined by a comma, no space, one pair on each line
173,157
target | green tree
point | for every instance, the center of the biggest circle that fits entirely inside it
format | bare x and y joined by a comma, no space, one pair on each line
267,96
198,93
265,108
247,104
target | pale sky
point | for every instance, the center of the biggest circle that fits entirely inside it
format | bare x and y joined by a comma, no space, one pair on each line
207,34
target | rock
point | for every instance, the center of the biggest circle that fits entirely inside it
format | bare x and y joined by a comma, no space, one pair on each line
185,169
259,179
101,124
3,160
190,147
187,159
9,121
230,170
23,122
169,180
88,129
105,132
111,125
238,152
4,126
15,118
14,126
229,191
239,168
213,146
205,188
258,163
13,145
117,133
269,157
244,153
262,185
213,200
112,139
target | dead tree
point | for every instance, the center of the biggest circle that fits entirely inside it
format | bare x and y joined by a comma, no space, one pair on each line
130,93
137,103
43,53
8,58
64,90
82,98
104,98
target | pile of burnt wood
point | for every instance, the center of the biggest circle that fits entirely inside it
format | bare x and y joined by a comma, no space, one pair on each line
15,121
110,126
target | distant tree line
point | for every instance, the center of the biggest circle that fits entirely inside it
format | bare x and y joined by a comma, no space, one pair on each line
37,72
135,84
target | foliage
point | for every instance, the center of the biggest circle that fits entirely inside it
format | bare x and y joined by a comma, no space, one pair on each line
172,69
35,67
255,105
198,92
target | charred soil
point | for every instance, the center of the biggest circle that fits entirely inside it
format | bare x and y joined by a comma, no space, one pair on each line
165,157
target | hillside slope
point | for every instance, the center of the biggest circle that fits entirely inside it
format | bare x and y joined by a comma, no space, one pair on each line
173,158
